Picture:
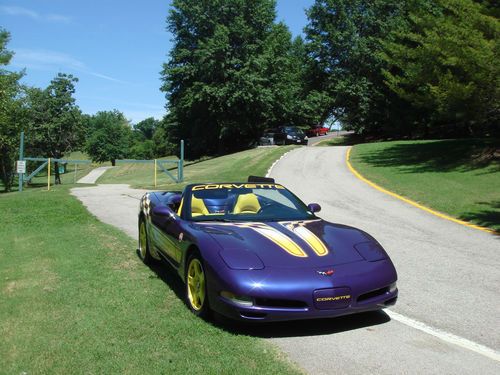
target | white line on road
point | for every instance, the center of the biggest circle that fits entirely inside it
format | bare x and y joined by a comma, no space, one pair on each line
275,162
445,336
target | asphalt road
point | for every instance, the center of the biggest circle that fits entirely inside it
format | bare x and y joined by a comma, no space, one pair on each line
314,140
449,281
448,314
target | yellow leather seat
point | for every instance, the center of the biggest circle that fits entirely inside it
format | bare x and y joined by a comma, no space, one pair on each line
246,204
198,207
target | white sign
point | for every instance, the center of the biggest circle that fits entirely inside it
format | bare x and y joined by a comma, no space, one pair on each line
21,166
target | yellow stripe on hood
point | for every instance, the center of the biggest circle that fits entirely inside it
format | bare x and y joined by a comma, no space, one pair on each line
280,239
310,238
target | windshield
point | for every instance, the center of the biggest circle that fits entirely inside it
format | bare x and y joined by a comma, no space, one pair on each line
293,130
246,202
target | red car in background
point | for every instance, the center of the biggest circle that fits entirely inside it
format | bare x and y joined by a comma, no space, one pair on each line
317,131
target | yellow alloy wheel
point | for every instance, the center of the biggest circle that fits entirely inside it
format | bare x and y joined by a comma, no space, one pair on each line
196,284
143,241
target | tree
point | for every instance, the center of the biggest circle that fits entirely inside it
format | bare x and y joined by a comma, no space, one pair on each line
147,127
55,123
222,76
10,113
446,65
344,46
111,137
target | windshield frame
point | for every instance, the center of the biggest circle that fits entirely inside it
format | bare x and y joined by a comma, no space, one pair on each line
301,207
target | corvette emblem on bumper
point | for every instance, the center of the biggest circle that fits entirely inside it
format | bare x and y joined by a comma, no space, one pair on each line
326,273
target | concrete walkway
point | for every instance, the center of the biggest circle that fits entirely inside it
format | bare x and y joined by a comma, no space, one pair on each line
93,175
115,204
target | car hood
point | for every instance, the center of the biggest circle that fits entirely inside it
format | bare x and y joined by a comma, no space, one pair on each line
294,244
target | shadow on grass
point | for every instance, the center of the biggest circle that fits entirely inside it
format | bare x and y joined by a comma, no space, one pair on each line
313,327
349,139
486,218
439,156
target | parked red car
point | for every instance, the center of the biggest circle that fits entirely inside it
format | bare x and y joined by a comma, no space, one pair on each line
317,131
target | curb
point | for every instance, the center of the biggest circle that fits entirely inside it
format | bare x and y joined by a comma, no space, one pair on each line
275,162
409,201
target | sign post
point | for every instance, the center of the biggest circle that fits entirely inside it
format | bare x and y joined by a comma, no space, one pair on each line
155,173
21,159
48,175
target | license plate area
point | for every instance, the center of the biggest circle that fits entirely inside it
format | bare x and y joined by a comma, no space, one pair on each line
334,298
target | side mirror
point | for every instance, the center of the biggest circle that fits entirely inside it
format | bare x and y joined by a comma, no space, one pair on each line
314,207
162,211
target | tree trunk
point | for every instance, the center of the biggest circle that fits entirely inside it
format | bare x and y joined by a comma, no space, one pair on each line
113,162
56,173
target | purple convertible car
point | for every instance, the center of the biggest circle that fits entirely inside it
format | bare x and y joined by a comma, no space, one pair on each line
253,251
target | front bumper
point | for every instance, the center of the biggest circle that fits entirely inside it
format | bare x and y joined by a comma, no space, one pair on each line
280,295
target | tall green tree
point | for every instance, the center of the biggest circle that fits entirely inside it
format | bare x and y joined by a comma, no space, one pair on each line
55,123
111,138
222,78
344,46
447,65
10,113
147,127
312,105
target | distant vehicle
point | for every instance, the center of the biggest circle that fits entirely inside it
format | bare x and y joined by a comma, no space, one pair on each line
290,135
267,138
317,131
253,251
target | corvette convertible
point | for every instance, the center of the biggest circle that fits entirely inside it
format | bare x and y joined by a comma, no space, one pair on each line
253,251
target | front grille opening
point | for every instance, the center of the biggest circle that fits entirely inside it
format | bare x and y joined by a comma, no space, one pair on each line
373,294
284,303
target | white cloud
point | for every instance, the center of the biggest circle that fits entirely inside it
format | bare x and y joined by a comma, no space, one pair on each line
42,58
53,60
58,18
24,12
107,78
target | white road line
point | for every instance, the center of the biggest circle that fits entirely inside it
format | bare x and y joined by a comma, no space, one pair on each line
445,336
275,162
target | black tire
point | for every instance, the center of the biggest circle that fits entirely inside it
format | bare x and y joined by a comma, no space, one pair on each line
196,289
143,250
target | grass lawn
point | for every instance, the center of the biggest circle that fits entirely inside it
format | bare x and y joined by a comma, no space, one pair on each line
343,140
75,298
234,167
457,177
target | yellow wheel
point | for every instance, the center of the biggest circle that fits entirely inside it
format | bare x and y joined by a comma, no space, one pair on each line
144,243
196,290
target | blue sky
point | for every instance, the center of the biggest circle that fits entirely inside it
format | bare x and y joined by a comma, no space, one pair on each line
115,48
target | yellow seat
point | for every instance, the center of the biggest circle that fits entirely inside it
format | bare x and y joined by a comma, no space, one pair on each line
247,204
198,207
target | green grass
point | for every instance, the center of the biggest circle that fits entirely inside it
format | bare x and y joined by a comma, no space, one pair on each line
40,180
76,299
343,140
457,177
234,167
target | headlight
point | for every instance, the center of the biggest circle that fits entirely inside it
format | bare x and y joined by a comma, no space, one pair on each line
240,300
392,287
288,136
306,137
